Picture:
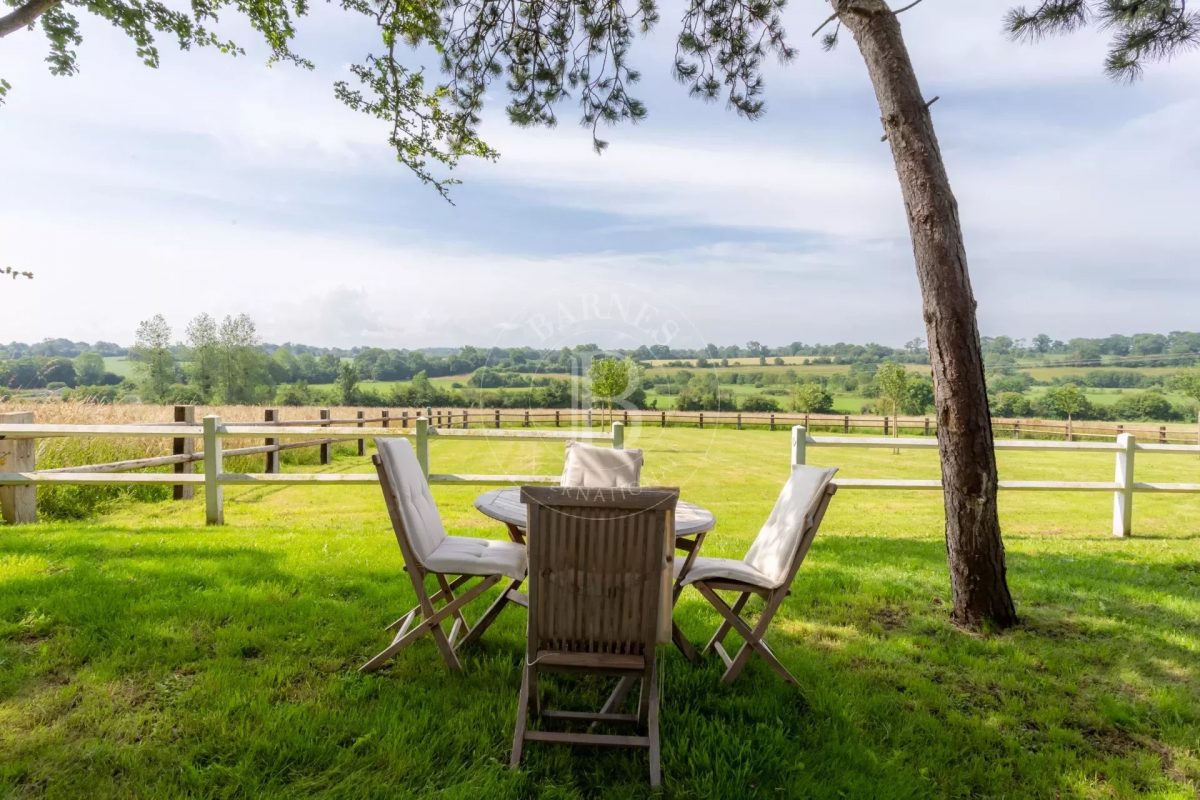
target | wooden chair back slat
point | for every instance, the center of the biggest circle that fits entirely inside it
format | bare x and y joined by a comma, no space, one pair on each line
597,561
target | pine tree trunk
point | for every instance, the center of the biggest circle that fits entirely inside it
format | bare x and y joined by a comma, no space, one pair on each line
973,544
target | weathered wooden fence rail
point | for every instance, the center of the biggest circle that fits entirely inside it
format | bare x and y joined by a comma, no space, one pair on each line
184,452
781,420
1123,486
20,477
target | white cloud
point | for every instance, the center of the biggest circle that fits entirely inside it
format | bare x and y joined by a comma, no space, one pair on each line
218,185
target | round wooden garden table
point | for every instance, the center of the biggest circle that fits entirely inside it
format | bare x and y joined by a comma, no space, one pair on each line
692,522
505,505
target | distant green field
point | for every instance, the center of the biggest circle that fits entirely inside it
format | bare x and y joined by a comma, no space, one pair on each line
1050,373
745,361
445,383
799,369
119,365
842,403
1107,397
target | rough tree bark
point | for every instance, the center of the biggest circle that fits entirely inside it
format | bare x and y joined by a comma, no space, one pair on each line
973,544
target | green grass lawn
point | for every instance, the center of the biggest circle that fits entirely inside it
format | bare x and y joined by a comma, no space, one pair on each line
144,655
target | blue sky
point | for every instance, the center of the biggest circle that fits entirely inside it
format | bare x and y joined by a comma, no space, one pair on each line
221,185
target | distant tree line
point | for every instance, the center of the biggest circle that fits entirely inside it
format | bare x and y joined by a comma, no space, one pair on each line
224,361
1178,348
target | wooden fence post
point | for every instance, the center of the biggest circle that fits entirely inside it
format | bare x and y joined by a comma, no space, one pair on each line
556,418
272,465
404,418
701,419
1017,429
386,418
772,422
325,447
362,443
846,423
618,436
497,423
18,503
214,494
184,446
739,421
886,430
589,418
663,423
627,416
806,425
927,426
1162,434
1123,497
423,444
799,445
527,418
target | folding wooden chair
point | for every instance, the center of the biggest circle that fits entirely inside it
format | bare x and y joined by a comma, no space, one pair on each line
452,560
767,571
599,602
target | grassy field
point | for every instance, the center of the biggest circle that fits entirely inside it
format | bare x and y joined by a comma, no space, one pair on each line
842,403
1106,397
1050,373
144,655
119,365
747,361
799,369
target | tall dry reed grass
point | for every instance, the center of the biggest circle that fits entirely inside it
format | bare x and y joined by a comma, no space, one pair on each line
79,502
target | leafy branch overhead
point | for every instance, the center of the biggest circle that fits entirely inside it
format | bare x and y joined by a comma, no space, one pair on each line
545,52
424,128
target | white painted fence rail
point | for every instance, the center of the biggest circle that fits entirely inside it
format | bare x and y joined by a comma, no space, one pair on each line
214,477
1123,486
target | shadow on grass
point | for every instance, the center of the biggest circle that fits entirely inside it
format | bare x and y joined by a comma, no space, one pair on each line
1100,679
156,662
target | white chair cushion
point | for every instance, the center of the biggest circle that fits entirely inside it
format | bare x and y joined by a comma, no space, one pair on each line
461,555
601,467
776,543
422,523
730,569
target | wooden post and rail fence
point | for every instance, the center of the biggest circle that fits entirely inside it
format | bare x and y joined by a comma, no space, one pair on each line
1123,486
1004,428
19,476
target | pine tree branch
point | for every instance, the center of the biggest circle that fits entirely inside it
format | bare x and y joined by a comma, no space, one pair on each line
828,20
